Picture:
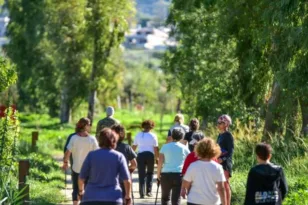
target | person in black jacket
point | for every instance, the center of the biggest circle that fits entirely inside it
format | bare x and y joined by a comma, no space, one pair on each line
226,143
266,183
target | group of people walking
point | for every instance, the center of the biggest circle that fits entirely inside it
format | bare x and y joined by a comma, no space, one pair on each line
189,165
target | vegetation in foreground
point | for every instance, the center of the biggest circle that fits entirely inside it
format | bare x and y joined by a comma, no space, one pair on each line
46,179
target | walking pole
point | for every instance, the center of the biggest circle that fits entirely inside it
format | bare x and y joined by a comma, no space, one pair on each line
158,183
65,181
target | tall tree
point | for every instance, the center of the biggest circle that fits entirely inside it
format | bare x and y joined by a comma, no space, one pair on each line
107,22
66,30
26,48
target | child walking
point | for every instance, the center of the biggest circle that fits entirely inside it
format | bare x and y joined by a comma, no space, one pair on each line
266,183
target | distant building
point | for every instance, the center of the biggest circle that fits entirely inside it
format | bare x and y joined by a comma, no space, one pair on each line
148,38
4,21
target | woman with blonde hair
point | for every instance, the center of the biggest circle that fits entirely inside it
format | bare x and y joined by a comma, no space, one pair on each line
178,124
204,180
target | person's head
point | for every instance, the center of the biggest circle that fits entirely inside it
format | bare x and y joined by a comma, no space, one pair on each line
177,134
263,151
120,130
147,125
207,148
179,118
84,124
194,124
107,138
196,137
223,122
109,111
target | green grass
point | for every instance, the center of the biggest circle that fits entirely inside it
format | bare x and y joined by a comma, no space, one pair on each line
46,179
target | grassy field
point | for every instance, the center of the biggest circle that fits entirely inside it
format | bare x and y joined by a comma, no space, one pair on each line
46,179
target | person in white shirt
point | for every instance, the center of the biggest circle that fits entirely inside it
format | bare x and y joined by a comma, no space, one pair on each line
203,182
147,144
79,146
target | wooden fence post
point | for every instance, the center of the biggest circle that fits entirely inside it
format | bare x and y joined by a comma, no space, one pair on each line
129,138
24,166
35,135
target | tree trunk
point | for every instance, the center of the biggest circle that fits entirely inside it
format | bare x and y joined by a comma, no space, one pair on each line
65,110
91,102
204,122
130,100
178,106
292,125
304,109
270,127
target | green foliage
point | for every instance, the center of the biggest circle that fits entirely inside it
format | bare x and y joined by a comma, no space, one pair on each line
230,52
9,132
55,44
8,74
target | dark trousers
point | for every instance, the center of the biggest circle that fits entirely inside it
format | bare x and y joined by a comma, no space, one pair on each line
171,182
75,185
145,162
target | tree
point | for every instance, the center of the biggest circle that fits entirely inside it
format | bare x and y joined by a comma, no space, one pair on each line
256,44
27,49
66,30
107,22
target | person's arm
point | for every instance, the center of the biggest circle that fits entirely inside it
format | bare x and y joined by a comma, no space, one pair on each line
97,129
156,152
169,138
67,142
65,159
161,161
84,174
125,175
135,143
128,190
132,165
186,185
81,183
283,185
222,192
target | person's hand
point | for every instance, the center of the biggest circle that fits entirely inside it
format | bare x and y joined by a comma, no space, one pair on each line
128,200
158,180
183,193
65,166
131,170
80,194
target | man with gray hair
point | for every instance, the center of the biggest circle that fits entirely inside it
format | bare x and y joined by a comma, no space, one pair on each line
107,121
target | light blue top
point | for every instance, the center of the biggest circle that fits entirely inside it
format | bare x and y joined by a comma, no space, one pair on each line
175,154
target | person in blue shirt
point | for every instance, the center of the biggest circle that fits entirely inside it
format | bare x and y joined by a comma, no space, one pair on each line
169,169
102,170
